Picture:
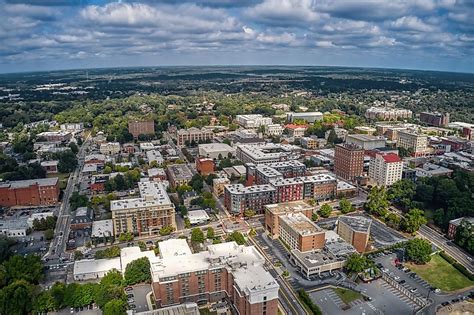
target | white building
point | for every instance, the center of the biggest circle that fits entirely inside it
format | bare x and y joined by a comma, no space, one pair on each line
102,228
413,141
89,269
310,117
214,150
267,153
273,130
253,121
385,169
72,127
198,217
367,142
109,148
154,155
341,133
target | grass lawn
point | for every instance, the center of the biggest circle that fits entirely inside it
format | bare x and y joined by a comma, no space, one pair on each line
441,274
347,296
63,177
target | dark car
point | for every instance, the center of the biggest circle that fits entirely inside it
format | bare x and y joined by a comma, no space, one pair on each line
445,303
402,281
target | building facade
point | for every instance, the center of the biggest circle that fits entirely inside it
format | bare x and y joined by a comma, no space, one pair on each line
413,141
193,134
145,127
300,233
435,119
367,142
145,215
273,130
385,169
348,161
355,231
31,192
253,121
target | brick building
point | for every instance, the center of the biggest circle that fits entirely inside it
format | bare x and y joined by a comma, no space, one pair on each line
205,166
435,119
31,192
225,271
51,167
348,161
179,174
145,215
453,225
355,231
415,142
197,135
145,127
299,232
274,211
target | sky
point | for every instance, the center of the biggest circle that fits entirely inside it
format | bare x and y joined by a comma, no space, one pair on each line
39,35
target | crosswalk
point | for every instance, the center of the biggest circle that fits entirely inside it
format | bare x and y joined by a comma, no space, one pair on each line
398,294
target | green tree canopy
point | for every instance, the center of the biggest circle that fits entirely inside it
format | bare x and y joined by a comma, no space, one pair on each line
377,202
418,250
325,211
345,206
138,271
413,220
197,235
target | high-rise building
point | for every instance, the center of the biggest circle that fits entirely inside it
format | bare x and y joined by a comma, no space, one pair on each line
413,141
145,127
145,215
348,161
385,169
197,135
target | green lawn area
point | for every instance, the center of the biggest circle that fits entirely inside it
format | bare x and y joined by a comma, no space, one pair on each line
63,177
441,274
347,296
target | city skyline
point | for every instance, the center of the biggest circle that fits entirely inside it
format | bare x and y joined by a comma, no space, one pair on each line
55,34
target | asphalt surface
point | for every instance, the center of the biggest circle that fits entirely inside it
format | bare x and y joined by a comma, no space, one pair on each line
448,246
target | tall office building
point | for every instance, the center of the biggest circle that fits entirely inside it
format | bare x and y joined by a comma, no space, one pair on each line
348,161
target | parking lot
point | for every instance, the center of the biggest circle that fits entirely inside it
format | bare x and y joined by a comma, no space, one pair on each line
137,297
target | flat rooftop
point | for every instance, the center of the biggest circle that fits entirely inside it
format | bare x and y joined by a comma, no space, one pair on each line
180,171
288,207
357,223
30,182
301,224
239,188
363,137
152,194
174,247
216,147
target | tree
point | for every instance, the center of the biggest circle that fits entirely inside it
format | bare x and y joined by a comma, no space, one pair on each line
5,252
138,271
314,216
166,230
402,193
182,210
237,237
249,213
49,234
126,237
44,302
418,250
78,255
424,192
210,233
115,307
413,220
16,298
197,236
377,202
393,220
77,200
357,263
28,268
325,210
67,161
465,236
107,169
109,252
345,206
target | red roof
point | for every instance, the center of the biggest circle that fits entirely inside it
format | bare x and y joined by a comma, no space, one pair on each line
391,158
293,126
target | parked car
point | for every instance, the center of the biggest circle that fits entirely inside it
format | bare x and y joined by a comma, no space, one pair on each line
402,282
413,290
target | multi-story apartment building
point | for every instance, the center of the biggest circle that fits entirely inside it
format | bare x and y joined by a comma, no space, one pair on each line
274,211
197,135
52,136
205,166
385,169
253,121
310,117
309,143
179,174
265,153
296,131
387,113
218,185
31,192
145,215
263,173
367,142
435,119
273,130
299,232
348,161
355,231
225,271
145,127
238,198
413,141
453,225
109,148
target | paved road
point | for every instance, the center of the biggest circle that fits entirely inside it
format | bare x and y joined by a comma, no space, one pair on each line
58,245
445,244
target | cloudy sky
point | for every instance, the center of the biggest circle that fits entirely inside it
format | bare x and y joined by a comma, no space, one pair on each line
64,34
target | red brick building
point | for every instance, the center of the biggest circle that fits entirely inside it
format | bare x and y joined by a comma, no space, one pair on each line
348,161
205,166
32,192
355,230
453,225
224,271
145,127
